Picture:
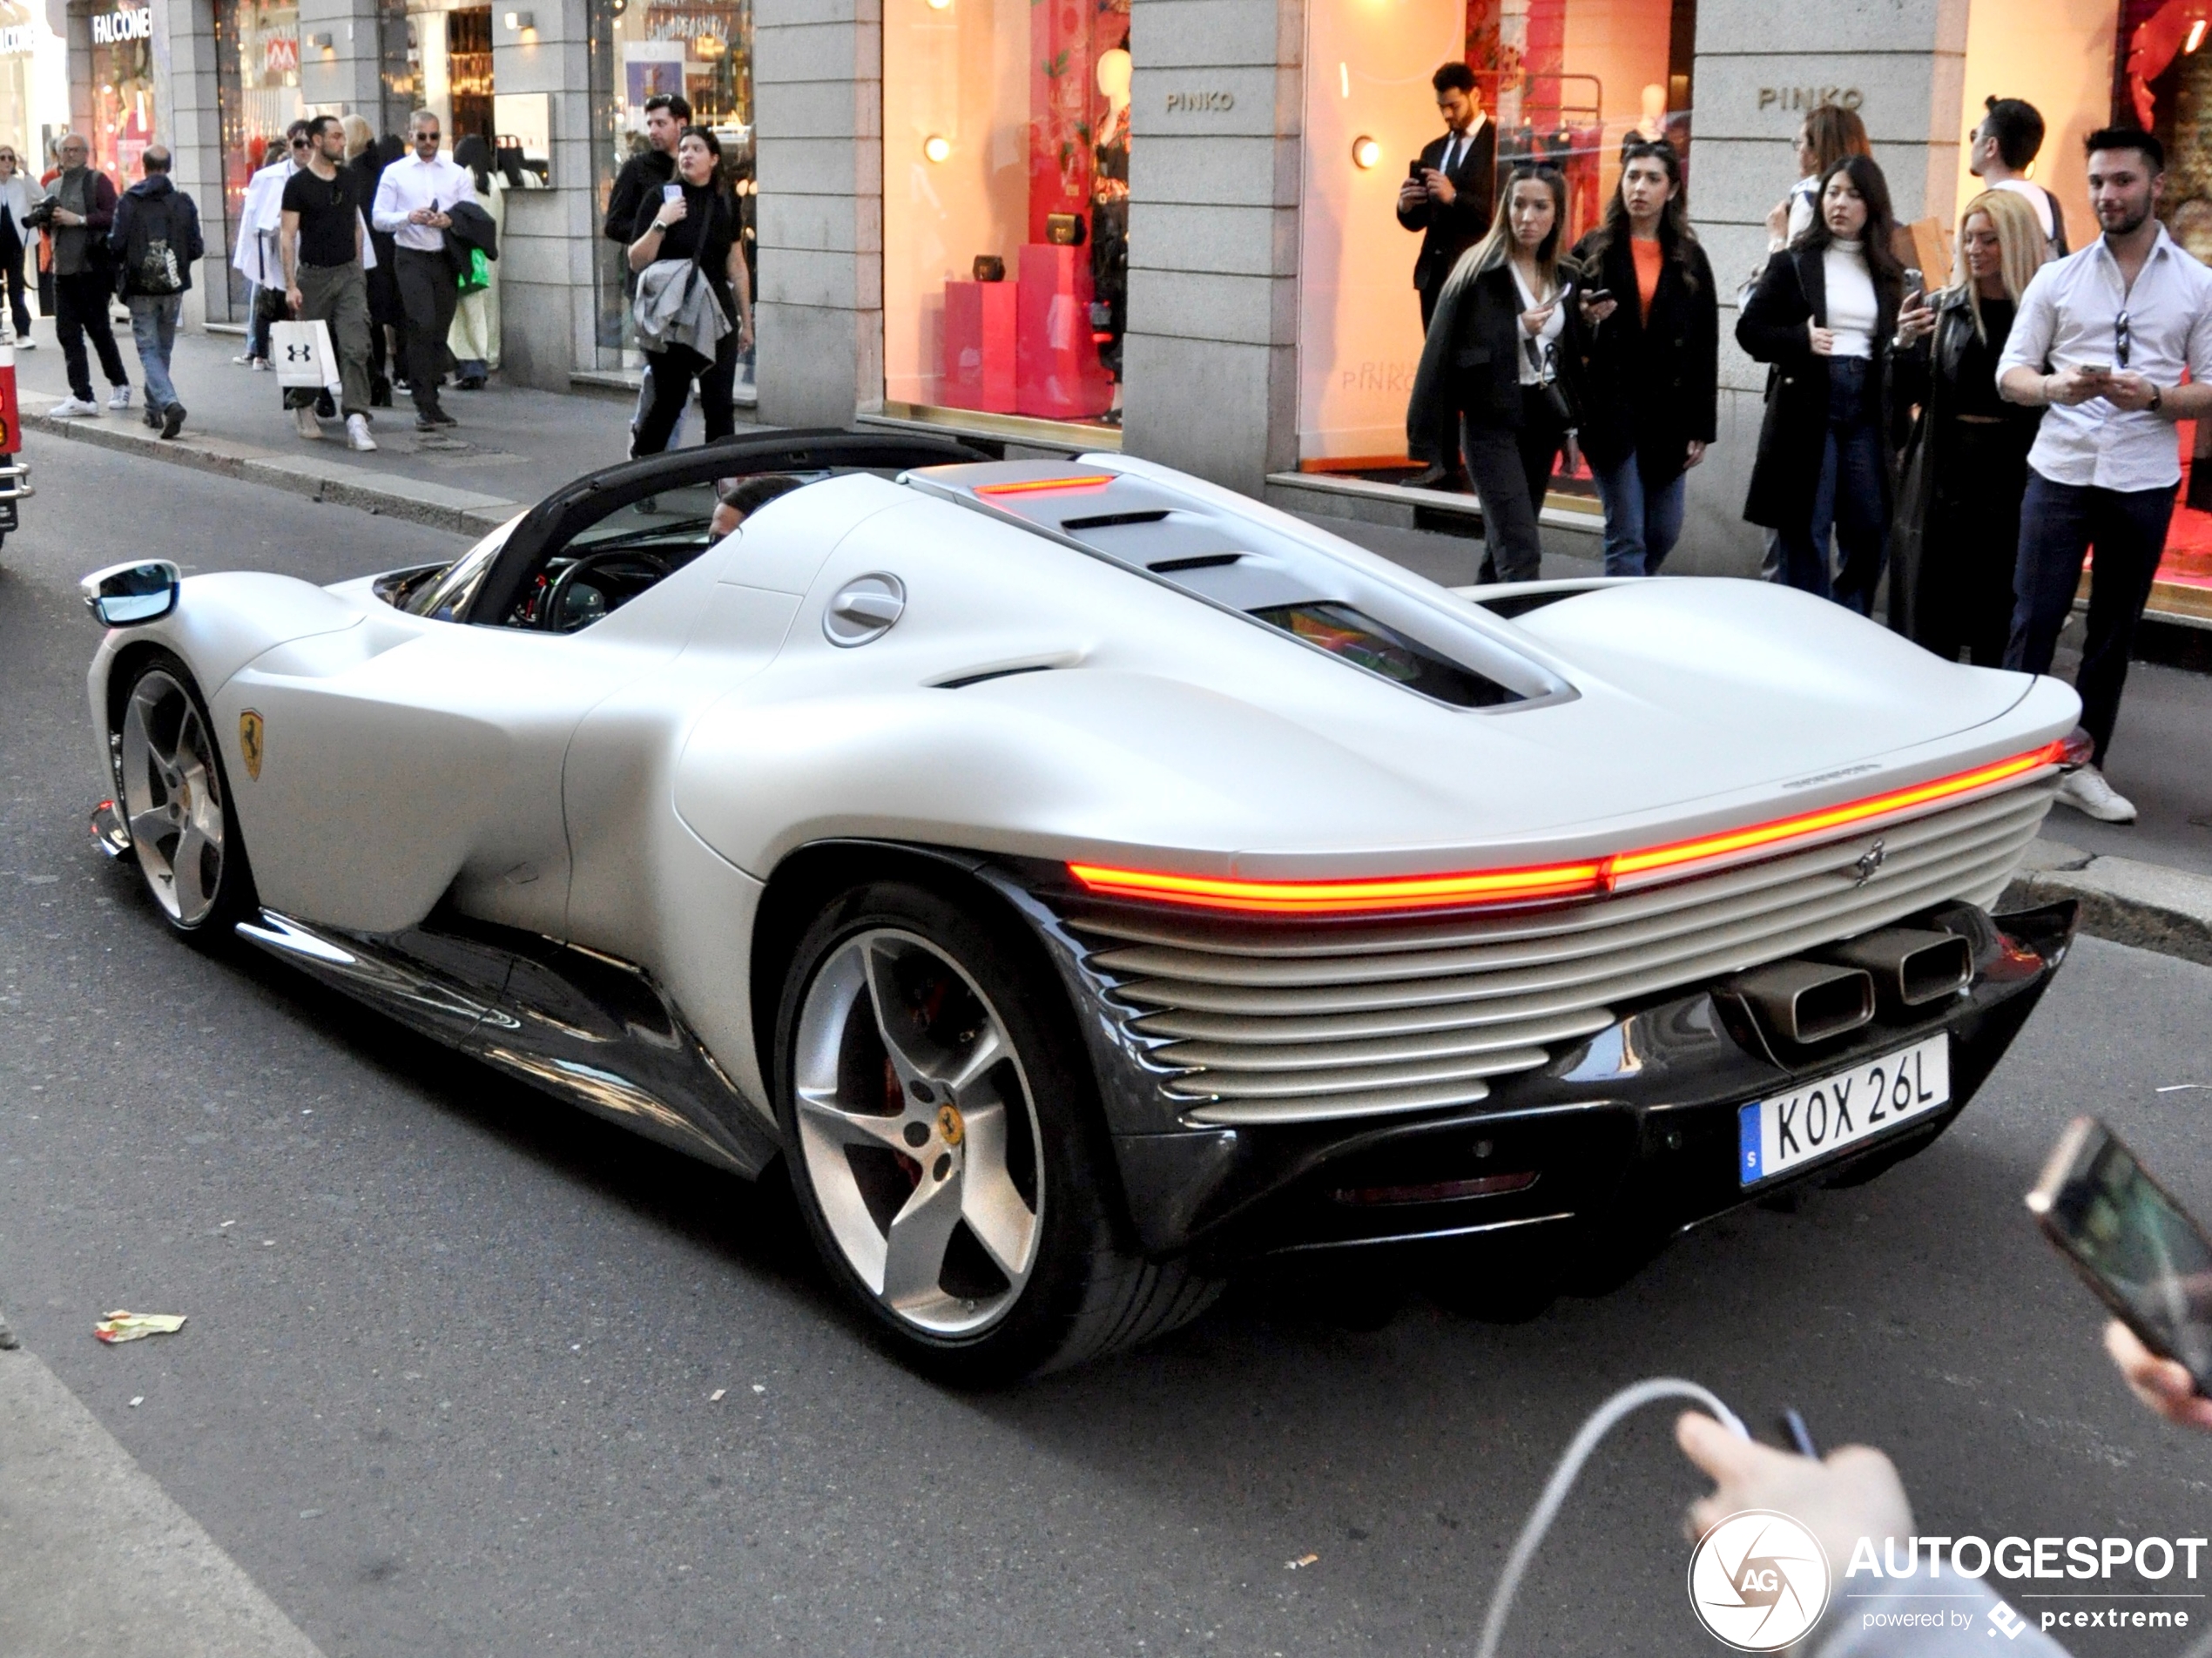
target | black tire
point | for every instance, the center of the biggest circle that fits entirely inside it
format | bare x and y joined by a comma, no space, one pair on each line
204,896
1083,1293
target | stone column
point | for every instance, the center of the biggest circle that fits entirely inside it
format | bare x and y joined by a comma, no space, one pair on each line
1901,64
191,129
818,90
546,299
344,77
1211,356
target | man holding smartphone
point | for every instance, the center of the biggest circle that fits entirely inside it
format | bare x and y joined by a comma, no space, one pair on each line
411,202
2101,341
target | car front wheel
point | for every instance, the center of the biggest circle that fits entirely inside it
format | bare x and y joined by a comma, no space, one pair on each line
945,1145
173,794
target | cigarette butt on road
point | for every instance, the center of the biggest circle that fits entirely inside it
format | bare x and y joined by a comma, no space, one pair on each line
1303,1559
129,1326
715,1397
137,1400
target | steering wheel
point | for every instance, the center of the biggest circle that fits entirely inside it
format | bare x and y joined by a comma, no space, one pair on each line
557,597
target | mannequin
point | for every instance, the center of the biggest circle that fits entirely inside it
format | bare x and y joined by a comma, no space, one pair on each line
1651,124
1110,217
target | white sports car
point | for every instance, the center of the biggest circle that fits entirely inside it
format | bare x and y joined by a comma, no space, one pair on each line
1084,878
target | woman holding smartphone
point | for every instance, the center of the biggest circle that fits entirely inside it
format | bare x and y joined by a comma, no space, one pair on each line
1645,333
1957,533
1489,378
1823,314
695,218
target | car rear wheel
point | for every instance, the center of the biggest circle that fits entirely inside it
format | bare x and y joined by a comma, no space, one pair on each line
944,1142
174,796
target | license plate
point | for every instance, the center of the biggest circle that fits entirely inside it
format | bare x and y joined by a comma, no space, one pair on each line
1780,1134
7,515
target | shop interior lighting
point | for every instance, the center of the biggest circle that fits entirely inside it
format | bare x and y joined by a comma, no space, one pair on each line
1365,151
936,146
1527,883
2196,36
940,5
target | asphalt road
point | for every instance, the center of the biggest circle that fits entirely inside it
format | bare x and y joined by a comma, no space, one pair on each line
446,1385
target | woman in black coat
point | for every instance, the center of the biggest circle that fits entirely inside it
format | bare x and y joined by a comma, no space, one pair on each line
1824,316
1956,536
1488,381
1645,336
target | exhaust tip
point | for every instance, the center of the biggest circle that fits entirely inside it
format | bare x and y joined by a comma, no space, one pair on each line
1911,968
1809,1001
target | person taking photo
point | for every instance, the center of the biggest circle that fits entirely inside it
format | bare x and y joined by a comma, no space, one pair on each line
1645,341
1488,385
2103,340
1957,531
1823,315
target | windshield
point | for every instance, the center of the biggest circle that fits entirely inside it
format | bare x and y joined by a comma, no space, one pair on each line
445,597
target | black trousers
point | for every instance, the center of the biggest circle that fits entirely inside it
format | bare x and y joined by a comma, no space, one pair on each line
80,310
16,292
669,381
428,294
1972,543
2058,523
1511,471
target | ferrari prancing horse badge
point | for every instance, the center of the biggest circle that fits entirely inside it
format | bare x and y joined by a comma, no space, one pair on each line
249,742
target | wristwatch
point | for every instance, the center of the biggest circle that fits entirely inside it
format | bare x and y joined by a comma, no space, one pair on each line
2157,399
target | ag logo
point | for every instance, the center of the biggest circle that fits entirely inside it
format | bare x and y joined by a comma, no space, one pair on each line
249,743
1759,1581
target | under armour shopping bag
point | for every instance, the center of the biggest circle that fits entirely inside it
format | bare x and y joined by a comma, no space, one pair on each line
302,355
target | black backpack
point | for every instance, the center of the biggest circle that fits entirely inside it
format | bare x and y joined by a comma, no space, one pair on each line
150,264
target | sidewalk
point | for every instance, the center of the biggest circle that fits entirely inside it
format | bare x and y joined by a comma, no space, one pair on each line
513,447
2149,883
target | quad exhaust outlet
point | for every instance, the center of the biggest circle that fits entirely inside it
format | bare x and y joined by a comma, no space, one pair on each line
1911,967
1809,1001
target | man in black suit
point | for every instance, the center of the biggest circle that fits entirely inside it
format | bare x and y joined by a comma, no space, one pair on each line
1449,202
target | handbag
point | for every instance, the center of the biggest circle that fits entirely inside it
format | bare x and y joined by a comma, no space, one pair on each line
475,275
1552,389
302,355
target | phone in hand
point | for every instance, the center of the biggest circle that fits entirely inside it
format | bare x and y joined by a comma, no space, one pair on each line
2097,370
1415,171
1916,284
1597,296
2138,1249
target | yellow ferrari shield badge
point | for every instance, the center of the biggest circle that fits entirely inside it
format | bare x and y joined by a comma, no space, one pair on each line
949,1127
249,742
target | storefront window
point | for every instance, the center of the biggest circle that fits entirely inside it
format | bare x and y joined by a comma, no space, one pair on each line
1005,208
2164,83
701,51
123,92
19,40
1564,82
257,90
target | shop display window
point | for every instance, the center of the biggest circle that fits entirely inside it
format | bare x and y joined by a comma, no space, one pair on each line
1564,82
18,38
1005,209
257,91
702,50
123,89
2162,81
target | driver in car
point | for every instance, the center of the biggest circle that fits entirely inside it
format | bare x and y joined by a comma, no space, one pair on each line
738,499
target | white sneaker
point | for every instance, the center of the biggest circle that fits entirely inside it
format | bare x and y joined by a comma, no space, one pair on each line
357,433
304,417
258,365
2088,792
26,345
119,398
72,409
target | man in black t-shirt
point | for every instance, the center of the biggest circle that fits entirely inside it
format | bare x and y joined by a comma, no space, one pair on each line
640,179
321,246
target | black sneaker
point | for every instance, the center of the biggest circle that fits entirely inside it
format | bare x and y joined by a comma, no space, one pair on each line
172,419
152,417
439,417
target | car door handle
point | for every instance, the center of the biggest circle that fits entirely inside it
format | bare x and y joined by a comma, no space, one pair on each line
864,609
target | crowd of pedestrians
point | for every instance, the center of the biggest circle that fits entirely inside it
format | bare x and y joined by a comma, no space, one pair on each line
1974,445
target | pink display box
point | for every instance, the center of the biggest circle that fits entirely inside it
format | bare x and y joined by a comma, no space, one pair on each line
1057,373
979,350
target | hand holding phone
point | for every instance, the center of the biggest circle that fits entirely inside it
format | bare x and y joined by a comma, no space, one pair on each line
2137,1248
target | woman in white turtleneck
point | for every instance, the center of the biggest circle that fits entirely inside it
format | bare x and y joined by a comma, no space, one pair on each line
1824,314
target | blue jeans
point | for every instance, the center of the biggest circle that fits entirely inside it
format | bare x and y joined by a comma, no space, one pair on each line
257,331
2058,523
1641,526
1847,500
153,329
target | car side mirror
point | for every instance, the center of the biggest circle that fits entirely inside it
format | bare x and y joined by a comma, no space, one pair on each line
123,596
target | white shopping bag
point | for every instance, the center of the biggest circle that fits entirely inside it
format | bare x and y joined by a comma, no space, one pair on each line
303,355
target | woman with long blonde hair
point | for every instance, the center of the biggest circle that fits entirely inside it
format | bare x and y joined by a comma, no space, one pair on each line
1957,533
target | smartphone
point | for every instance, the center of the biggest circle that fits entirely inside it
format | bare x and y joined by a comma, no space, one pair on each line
2100,370
671,191
2138,1249
1414,170
1597,296
1915,283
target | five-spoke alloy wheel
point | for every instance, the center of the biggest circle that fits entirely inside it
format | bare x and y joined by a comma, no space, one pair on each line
172,793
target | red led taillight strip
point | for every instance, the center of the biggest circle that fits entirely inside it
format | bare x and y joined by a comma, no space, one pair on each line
1533,882
1040,486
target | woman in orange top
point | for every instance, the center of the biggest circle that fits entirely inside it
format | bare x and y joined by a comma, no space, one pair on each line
1645,331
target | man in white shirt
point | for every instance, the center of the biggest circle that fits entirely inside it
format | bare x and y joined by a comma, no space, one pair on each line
255,256
411,203
2101,341
2004,147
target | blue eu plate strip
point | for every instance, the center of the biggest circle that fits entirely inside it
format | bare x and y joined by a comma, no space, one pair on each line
1746,1134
